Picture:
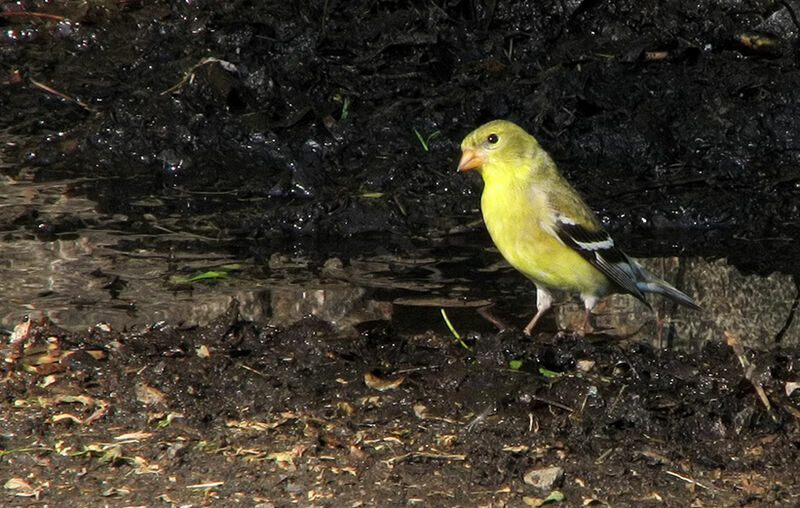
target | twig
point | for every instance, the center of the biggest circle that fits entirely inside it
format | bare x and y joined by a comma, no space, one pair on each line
552,403
32,15
603,456
617,399
749,368
251,369
60,94
687,479
486,313
189,75
427,455
207,485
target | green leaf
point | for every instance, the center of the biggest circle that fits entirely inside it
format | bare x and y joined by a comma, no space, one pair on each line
549,373
453,330
210,274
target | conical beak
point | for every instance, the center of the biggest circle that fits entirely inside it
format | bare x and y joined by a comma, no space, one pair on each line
469,160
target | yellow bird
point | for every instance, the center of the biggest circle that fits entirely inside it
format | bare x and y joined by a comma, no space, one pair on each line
544,229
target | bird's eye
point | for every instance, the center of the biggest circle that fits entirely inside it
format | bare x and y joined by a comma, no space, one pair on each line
492,138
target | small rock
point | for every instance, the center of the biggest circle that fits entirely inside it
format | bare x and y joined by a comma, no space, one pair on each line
544,478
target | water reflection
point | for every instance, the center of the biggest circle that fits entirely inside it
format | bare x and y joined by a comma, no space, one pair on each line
84,276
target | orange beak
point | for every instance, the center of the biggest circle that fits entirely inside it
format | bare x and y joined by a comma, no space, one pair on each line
469,160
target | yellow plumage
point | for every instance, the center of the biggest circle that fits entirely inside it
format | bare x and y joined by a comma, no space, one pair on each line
543,228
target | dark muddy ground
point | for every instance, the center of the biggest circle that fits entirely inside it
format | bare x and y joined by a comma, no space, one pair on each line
289,127
671,120
233,415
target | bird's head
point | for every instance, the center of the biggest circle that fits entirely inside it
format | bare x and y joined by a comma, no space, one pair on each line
499,145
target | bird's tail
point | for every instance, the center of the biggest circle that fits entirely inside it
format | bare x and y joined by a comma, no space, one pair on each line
652,284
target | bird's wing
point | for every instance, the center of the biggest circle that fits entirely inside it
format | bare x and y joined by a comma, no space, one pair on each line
580,230
597,247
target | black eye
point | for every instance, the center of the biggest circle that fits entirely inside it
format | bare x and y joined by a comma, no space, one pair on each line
492,138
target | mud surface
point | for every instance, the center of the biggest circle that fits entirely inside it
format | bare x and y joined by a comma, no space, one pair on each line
230,414
267,130
255,123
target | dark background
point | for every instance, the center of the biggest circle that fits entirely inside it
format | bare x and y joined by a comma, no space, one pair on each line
680,123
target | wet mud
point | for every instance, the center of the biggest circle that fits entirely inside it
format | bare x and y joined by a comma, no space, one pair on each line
232,414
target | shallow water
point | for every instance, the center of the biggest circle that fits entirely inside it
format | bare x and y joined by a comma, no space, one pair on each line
98,272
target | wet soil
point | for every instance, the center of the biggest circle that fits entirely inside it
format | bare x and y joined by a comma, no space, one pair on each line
231,414
318,129
252,123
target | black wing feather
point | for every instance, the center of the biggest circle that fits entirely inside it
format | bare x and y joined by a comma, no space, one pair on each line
598,248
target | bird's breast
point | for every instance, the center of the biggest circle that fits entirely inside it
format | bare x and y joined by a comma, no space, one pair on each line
520,224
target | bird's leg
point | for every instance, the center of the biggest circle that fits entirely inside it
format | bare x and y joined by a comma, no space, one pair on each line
529,328
589,301
543,302
586,313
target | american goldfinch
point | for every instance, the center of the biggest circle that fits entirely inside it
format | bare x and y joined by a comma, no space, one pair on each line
544,229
